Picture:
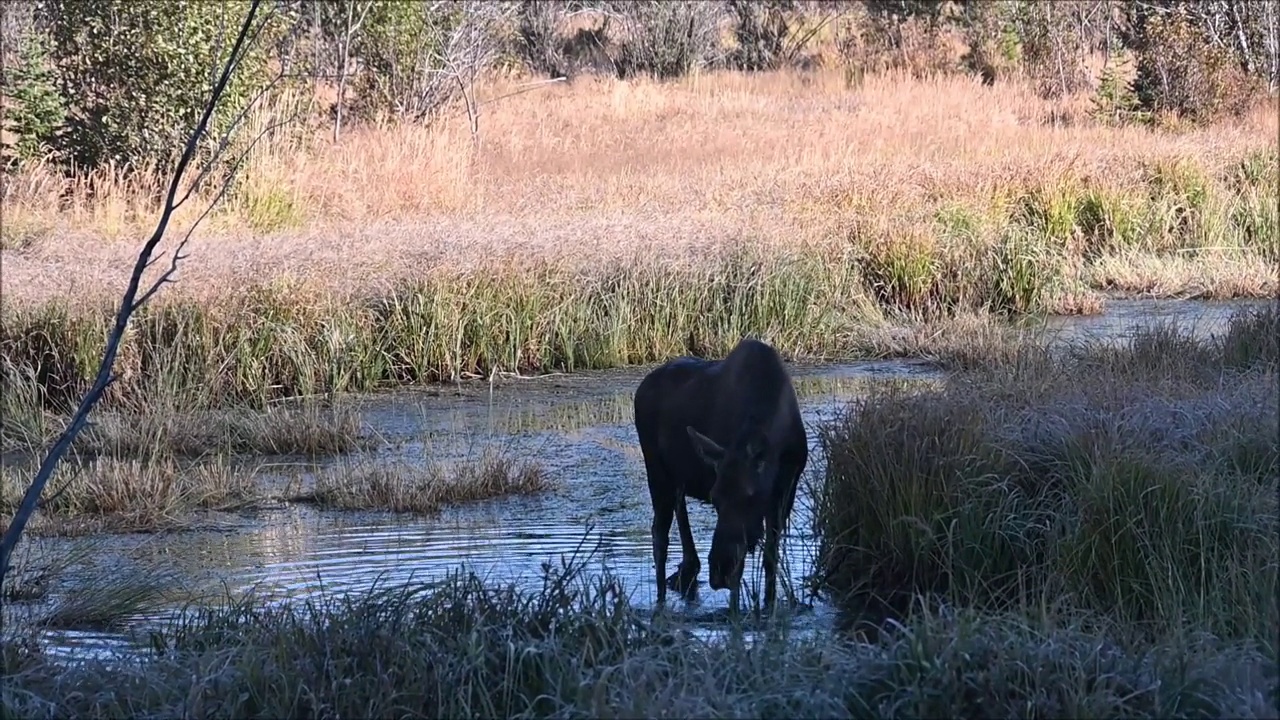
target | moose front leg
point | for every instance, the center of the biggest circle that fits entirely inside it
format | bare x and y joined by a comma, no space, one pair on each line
685,579
774,527
772,537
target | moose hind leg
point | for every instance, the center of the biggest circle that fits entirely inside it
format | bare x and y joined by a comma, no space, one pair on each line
685,579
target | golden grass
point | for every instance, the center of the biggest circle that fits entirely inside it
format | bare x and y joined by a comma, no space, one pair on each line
1211,276
426,487
306,428
609,223
128,495
602,168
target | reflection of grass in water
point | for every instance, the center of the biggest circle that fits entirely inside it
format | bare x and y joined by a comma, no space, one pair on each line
564,417
578,648
617,409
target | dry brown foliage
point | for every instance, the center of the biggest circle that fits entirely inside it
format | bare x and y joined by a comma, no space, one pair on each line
604,169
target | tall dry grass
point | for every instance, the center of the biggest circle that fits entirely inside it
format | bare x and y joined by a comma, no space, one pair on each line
129,495
609,222
604,168
1136,482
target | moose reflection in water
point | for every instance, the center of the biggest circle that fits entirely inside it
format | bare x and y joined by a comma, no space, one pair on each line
727,432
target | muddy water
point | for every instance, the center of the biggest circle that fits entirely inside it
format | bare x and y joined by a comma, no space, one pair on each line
579,428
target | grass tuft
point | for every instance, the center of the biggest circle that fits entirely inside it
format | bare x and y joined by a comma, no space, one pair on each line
577,648
309,429
1146,494
109,600
426,488
129,495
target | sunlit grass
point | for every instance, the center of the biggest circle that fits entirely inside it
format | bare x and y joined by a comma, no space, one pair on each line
665,218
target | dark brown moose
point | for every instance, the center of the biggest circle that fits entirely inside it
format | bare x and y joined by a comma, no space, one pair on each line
727,432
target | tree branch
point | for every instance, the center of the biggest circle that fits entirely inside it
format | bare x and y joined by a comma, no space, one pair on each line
235,123
128,304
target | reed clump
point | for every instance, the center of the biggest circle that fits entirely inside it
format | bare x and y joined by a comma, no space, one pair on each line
576,647
426,487
1136,481
108,494
308,428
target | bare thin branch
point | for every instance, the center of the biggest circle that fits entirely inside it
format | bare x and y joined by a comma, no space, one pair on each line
224,141
128,304
208,166
166,275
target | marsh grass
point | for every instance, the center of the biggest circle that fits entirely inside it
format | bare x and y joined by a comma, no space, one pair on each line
1135,481
576,647
1213,274
1178,228
79,592
163,425
300,428
108,494
107,599
553,318
426,487
964,341
280,342
24,422
35,569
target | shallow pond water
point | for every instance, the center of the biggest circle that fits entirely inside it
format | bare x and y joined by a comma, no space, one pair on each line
585,440
1122,317
579,428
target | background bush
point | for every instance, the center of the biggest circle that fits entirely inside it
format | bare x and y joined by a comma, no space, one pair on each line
116,82
135,75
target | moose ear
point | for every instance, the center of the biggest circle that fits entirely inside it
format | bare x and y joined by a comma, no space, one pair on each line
707,449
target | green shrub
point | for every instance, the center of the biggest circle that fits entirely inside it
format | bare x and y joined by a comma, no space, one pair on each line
667,38
35,109
1183,70
136,75
402,46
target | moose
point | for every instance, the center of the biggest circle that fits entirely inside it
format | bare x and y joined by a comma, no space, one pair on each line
726,432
